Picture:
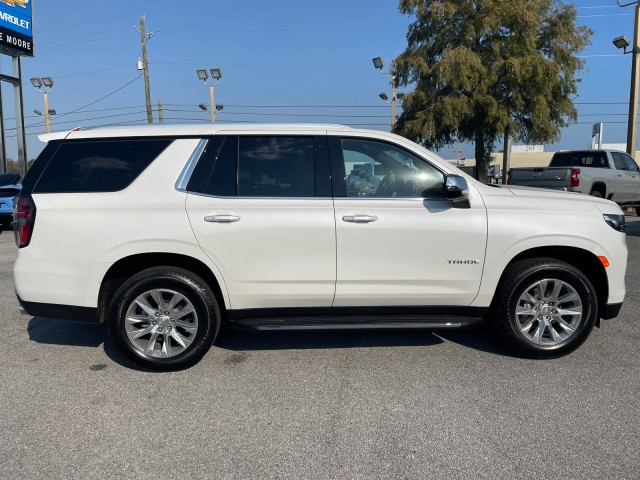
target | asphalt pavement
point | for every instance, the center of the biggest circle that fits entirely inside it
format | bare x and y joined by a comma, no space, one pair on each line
330,405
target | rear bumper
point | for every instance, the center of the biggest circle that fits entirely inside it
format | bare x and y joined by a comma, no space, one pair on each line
62,312
610,310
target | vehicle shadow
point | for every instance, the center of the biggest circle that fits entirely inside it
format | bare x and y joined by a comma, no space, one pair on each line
476,338
51,331
63,332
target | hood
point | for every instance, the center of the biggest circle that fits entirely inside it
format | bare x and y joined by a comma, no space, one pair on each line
561,195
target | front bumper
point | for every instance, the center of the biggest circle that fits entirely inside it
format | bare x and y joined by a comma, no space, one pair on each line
610,310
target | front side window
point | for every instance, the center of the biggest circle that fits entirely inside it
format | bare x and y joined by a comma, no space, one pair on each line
380,169
618,161
276,166
98,165
630,163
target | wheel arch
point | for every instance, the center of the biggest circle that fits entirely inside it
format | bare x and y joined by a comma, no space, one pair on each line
128,266
599,186
583,260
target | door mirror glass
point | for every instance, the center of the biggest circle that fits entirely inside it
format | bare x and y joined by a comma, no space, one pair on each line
457,190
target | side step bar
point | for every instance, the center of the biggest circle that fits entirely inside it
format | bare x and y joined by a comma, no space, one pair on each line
260,320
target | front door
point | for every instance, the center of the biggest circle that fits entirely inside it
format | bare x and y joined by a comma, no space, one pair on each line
399,241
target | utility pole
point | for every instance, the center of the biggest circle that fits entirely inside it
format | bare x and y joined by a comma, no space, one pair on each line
622,42
633,94
160,112
506,152
145,67
393,100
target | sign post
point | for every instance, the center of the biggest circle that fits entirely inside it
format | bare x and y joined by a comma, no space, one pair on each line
16,40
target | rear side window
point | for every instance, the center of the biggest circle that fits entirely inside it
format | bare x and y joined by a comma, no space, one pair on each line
216,171
98,165
580,159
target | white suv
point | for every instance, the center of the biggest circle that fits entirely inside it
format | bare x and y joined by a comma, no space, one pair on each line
165,232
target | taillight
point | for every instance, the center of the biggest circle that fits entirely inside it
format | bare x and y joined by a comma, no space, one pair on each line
575,181
24,217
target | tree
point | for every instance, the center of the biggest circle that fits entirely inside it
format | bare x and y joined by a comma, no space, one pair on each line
480,66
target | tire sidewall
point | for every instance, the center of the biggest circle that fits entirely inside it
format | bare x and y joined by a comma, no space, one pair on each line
194,290
589,305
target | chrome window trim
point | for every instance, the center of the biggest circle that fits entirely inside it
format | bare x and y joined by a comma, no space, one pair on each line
185,175
255,198
422,199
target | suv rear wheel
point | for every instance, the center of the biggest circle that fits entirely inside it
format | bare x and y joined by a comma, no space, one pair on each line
164,318
545,308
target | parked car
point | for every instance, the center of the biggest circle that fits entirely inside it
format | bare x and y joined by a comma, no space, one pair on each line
164,233
600,173
9,188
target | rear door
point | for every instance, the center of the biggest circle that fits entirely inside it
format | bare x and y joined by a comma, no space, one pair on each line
261,209
399,241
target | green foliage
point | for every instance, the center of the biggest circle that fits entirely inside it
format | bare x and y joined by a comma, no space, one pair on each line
481,65
14,167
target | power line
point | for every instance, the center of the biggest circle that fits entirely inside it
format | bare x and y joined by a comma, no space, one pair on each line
59,27
285,106
89,35
101,98
87,41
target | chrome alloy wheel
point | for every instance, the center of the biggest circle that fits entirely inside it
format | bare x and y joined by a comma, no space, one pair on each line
548,312
161,323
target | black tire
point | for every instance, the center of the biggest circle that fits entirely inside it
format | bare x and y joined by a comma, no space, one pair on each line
595,193
516,281
201,323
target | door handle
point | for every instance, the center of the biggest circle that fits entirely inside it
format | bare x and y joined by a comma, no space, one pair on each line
359,218
221,218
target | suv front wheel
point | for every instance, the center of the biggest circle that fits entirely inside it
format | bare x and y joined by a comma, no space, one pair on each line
164,318
545,308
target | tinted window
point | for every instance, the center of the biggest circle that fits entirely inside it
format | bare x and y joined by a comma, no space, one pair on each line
630,163
276,166
618,161
98,165
379,169
9,178
580,159
216,171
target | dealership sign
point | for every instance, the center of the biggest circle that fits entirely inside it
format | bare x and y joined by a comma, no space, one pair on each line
16,29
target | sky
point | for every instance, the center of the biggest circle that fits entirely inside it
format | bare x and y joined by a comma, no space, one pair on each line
281,61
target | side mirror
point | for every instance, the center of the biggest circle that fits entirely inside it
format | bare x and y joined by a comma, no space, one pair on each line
457,190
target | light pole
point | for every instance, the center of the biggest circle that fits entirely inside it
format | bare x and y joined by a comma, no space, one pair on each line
378,62
622,42
44,84
216,75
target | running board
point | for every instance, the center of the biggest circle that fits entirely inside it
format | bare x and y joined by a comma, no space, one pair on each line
353,323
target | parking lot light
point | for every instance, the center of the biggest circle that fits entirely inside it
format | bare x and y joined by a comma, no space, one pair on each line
216,75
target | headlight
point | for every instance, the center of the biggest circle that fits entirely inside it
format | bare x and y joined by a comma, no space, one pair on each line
615,221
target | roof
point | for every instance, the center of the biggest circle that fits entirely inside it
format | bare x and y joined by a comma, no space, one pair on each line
157,130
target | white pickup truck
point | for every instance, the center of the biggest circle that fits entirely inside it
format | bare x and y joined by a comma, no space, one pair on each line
607,174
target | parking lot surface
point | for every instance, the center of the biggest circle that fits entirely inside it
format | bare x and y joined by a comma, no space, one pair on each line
352,405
